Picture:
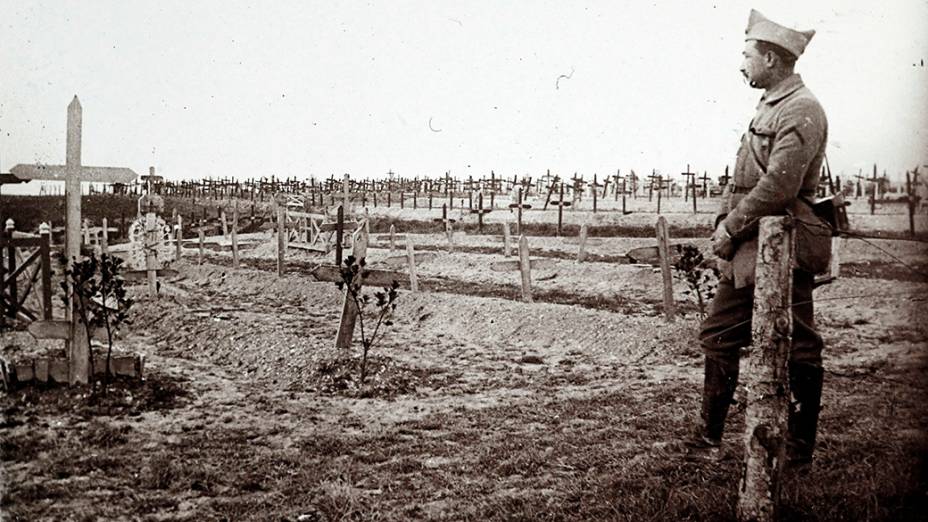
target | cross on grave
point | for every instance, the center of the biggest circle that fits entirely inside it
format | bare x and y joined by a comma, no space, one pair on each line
554,182
447,222
366,277
577,187
618,177
480,211
690,180
705,184
560,209
594,187
653,177
633,182
519,206
73,173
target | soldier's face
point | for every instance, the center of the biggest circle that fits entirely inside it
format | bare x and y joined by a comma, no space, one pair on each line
755,67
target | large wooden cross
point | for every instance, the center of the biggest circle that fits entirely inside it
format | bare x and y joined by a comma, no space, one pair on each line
73,173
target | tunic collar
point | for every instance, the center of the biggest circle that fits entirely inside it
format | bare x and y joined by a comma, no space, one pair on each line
781,90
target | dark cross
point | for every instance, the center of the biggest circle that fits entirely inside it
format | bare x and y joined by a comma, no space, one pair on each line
859,177
617,177
725,178
519,207
690,179
578,187
874,180
653,177
593,189
554,184
705,184
446,221
633,181
480,211
560,209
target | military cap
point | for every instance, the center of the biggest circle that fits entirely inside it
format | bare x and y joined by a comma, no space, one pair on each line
760,28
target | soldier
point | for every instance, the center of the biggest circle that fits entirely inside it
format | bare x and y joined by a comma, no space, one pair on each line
776,173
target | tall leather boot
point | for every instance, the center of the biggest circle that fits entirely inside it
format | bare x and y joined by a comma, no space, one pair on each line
805,382
721,379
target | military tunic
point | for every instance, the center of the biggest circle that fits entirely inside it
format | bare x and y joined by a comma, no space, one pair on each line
778,162
777,168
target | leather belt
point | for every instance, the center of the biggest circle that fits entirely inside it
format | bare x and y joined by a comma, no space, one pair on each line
735,189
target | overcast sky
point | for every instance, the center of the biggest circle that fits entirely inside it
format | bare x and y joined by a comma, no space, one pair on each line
220,88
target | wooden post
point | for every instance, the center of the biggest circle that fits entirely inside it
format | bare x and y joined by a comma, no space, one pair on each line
225,225
349,308
235,235
660,189
670,311
694,196
202,238
507,251
519,211
339,235
281,238
525,267
392,238
179,237
560,211
9,226
45,233
411,260
910,199
581,253
152,239
105,238
766,379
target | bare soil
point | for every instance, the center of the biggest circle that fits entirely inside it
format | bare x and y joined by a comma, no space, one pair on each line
478,407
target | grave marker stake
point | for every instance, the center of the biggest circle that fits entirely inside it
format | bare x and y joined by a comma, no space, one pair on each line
411,260
234,235
202,237
581,254
281,238
506,249
525,267
662,250
180,236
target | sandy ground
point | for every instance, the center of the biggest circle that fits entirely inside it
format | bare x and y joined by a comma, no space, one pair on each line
478,407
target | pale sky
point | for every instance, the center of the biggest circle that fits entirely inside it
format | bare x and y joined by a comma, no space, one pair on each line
221,88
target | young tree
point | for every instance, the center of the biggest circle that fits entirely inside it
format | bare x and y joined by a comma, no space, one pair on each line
100,294
385,304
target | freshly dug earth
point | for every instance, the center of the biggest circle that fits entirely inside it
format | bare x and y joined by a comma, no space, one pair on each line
476,408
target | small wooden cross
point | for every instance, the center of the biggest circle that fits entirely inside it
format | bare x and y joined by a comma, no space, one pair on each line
519,206
480,211
560,209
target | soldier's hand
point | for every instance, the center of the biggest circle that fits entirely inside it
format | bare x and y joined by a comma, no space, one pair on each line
722,245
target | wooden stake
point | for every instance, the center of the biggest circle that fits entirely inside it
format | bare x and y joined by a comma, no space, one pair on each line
281,238
411,260
507,251
766,379
581,254
179,236
670,311
235,235
225,225
105,238
525,267
392,238
202,237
